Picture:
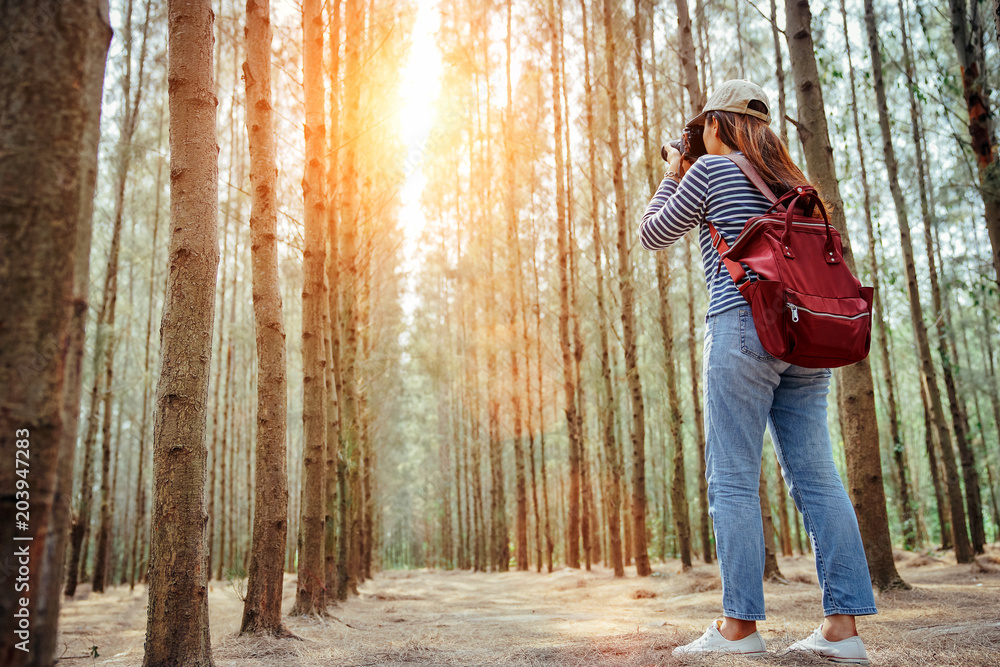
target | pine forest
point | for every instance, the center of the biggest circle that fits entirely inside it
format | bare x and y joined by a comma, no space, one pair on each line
328,335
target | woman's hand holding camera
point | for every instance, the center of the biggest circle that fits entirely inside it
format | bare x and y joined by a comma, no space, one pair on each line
677,166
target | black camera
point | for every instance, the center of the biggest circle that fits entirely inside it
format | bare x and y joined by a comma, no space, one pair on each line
691,144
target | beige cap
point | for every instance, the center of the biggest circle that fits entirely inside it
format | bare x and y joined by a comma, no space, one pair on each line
735,95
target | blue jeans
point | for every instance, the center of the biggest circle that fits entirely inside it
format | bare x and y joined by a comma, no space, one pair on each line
746,389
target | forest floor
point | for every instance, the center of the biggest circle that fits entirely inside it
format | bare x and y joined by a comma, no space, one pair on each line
569,617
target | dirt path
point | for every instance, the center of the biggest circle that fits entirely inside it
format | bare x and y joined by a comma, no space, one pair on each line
569,617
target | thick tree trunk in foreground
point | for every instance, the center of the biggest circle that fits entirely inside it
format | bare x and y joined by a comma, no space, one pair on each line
50,81
310,597
627,312
177,631
262,607
928,376
856,391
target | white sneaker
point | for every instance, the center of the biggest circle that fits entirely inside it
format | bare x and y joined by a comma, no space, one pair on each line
850,650
713,642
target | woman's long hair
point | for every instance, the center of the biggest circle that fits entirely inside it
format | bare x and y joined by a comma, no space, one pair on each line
761,146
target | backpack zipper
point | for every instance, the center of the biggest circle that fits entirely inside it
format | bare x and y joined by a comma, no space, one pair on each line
795,313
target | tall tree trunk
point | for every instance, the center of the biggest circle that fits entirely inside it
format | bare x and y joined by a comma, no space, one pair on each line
856,393
586,520
521,528
350,217
606,397
679,502
310,596
964,31
963,548
335,378
625,278
689,66
50,87
228,438
563,250
178,576
262,606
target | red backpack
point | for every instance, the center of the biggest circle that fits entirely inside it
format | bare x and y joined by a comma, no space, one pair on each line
808,308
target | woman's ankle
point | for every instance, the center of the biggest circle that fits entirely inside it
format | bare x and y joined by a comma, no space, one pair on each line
735,629
838,627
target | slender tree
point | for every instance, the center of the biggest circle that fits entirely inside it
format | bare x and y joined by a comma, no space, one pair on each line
262,607
606,396
310,597
178,567
350,216
625,277
569,378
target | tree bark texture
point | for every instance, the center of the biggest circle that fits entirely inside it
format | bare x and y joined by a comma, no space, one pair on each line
350,216
177,630
262,607
51,73
310,597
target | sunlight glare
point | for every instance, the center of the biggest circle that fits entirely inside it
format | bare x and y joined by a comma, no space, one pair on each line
418,89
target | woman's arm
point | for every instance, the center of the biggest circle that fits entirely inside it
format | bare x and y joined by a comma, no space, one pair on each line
675,208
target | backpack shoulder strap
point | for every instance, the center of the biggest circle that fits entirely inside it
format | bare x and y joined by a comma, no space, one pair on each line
735,270
744,164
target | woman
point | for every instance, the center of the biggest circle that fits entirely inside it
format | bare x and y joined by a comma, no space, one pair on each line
747,389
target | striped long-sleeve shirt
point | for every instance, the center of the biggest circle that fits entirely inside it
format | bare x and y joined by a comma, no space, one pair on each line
713,189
